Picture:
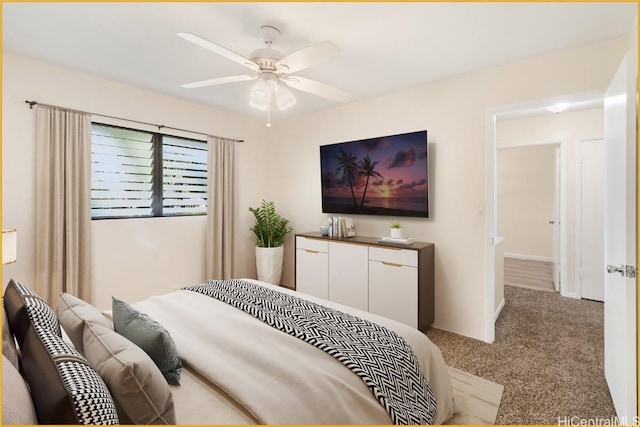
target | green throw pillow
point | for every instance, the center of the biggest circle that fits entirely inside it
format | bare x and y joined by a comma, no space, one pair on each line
150,336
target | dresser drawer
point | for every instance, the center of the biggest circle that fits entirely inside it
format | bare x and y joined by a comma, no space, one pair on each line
389,280
312,245
399,256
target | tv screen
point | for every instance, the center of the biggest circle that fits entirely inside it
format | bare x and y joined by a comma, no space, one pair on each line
388,175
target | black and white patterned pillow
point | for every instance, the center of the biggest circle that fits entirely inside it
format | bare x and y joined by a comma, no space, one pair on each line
64,388
42,314
91,397
16,299
22,289
54,344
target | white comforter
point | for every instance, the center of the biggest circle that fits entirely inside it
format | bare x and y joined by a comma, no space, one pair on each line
275,378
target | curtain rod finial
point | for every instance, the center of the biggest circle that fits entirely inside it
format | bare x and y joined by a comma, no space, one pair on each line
31,104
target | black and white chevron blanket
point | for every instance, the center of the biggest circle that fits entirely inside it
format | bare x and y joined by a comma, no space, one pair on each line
379,356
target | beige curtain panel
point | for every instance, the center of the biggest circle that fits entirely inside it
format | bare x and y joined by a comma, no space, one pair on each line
63,203
220,207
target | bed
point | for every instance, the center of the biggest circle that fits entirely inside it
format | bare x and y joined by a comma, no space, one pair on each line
234,368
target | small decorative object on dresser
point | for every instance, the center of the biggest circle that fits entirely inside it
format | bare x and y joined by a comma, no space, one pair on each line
270,230
396,230
350,228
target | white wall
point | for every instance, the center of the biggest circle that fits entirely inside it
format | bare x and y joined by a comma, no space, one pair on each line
569,128
282,164
453,112
132,258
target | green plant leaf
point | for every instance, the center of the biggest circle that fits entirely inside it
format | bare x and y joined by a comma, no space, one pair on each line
270,228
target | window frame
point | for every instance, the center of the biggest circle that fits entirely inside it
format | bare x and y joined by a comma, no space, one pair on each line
157,175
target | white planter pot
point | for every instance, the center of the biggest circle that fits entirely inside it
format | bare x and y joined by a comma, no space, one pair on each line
269,264
396,233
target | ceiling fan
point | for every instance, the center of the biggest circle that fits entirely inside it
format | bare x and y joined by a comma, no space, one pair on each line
273,71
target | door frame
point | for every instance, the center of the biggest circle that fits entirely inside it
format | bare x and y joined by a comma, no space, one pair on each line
491,114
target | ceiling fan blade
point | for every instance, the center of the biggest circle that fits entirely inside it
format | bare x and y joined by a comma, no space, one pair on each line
218,81
222,51
317,88
307,57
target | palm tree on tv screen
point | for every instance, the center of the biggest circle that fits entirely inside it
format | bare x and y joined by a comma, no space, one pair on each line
367,168
348,164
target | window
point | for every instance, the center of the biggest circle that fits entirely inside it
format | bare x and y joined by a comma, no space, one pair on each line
146,174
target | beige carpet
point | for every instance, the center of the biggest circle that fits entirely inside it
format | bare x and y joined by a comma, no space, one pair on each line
476,400
529,274
548,354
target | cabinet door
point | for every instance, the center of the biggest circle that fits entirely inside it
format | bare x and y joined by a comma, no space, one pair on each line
312,273
393,291
349,274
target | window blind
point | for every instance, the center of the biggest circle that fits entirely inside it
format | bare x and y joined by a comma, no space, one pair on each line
184,176
122,172
145,174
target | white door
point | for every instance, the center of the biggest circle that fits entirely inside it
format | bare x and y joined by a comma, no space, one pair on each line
393,291
349,275
591,222
312,267
556,224
620,345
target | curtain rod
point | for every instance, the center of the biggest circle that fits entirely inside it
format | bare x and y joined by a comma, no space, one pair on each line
32,103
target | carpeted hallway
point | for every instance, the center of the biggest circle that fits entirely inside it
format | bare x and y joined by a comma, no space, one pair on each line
548,355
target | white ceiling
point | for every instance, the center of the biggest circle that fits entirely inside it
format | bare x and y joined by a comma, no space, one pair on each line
385,47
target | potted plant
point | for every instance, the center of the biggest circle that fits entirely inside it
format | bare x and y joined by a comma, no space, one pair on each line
270,230
396,230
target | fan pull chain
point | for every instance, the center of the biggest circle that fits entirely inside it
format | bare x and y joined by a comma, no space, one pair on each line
269,111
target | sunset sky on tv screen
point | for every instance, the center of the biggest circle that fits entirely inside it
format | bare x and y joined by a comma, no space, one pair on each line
388,172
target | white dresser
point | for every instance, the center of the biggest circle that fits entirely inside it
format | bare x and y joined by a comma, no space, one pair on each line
390,280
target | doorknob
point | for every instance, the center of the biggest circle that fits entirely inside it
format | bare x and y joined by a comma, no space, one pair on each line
613,269
624,270
552,221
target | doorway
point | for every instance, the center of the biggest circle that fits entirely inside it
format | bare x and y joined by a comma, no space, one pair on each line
528,214
537,133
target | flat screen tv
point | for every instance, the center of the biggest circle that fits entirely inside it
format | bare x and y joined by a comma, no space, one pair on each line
388,175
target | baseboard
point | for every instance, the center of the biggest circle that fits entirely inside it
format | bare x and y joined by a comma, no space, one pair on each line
498,310
528,257
569,294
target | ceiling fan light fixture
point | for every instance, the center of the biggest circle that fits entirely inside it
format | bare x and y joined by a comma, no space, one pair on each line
284,98
259,97
558,108
272,70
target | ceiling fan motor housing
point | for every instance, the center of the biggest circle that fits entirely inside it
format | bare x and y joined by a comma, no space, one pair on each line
266,58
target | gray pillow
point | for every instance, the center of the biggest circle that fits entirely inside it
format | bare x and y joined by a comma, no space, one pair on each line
135,382
72,314
17,406
150,336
